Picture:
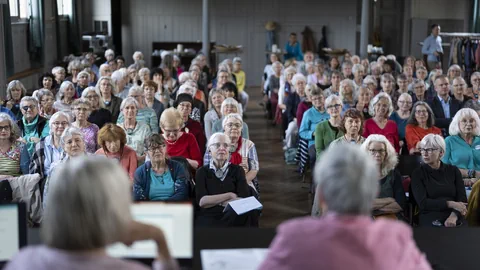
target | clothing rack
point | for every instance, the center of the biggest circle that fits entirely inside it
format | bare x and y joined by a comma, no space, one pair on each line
459,35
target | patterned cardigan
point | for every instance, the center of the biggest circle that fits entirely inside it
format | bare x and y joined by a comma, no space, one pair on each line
37,163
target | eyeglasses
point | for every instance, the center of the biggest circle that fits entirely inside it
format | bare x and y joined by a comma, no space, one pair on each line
31,107
58,124
173,131
92,97
234,125
404,102
428,150
375,152
336,106
186,106
6,128
218,145
421,111
157,149
81,109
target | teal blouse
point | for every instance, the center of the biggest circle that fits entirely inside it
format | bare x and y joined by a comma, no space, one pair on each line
162,186
459,153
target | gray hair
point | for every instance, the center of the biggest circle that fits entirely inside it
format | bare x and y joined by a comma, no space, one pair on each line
454,128
89,89
235,116
14,85
14,130
342,88
28,99
184,88
128,101
391,158
102,67
331,98
277,63
55,116
231,101
298,77
110,81
83,73
435,141
370,79
472,104
376,99
88,204
137,53
117,76
184,76
63,87
134,90
214,138
75,64
289,70
347,180
57,69
418,81
43,92
109,52
357,67
69,132
143,71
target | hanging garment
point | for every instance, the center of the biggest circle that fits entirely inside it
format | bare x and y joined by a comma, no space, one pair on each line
452,49
468,57
308,43
323,44
477,56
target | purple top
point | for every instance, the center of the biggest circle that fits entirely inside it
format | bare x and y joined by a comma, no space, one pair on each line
43,258
90,138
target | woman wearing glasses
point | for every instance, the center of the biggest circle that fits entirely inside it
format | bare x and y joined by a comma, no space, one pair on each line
32,126
14,157
229,105
329,130
420,123
179,143
98,115
144,114
242,151
81,109
159,179
45,101
438,187
380,109
400,116
391,198
463,144
184,104
218,183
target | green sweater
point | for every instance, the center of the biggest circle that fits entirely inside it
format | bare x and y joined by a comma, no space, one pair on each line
324,135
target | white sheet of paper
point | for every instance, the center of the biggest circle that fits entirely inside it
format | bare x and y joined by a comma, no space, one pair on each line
242,206
9,232
233,259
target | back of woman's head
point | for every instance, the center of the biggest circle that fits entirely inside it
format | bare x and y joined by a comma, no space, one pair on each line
88,204
347,180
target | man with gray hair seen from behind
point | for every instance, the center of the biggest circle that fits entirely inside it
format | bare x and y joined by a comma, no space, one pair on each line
347,184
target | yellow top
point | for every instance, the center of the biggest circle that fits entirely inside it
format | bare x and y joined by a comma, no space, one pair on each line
240,76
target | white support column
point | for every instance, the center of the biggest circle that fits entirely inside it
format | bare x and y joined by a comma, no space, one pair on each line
364,33
3,63
206,31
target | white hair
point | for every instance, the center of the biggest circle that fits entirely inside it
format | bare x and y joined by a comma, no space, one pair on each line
347,180
143,71
55,116
184,76
109,52
69,132
370,79
298,77
235,116
28,99
187,89
83,73
214,138
110,81
376,99
277,63
14,85
343,83
391,57
134,90
57,69
435,141
128,101
391,158
454,128
137,53
88,204
117,75
63,87
103,66
231,101
357,67
332,98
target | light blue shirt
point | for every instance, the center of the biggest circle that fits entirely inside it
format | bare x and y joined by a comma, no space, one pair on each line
430,45
310,119
52,154
459,153
445,106
162,186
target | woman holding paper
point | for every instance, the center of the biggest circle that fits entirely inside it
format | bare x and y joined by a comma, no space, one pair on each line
87,202
218,183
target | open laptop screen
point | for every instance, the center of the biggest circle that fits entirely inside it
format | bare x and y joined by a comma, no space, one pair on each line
176,221
13,229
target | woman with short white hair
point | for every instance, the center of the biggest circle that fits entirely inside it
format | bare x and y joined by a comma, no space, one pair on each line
218,183
59,73
380,109
365,95
371,83
347,94
463,143
74,67
144,74
453,72
229,105
105,70
145,114
347,184
15,92
99,115
327,131
294,99
358,72
65,97
391,200
88,209
438,187
45,99
83,81
286,87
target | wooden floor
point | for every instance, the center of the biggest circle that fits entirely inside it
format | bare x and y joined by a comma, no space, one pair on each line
282,192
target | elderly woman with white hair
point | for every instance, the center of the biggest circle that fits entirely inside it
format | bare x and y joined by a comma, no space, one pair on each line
59,73
419,89
120,80
401,116
45,99
15,92
83,81
347,184
74,67
463,144
454,71
371,83
105,70
105,90
216,99
94,191
14,157
32,126
364,96
81,109
391,200
144,75
98,115
218,183
358,72
65,97
145,114
438,187
292,101
347,94
380,109
136,131
242,151
329,130
229,105
286,87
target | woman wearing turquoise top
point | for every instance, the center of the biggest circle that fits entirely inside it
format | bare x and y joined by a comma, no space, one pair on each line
32,126
463,144
293,48
313,116
159,179
401,116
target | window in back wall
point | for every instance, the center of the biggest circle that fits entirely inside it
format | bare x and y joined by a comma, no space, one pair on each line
18,9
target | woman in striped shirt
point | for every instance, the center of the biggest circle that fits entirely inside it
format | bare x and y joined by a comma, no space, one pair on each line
14,157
